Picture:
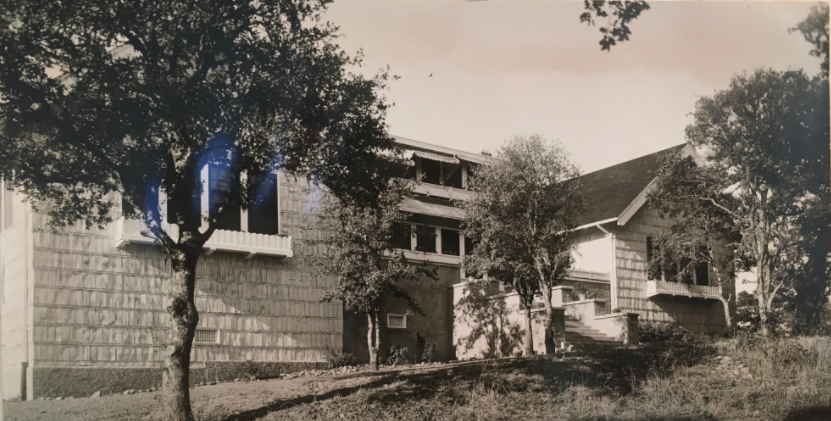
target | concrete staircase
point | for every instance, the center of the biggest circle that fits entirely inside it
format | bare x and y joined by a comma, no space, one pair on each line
580,336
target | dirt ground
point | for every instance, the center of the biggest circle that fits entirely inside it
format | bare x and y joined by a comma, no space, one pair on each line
247,400
730,380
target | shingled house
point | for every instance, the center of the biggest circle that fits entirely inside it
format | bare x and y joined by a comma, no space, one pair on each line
83,310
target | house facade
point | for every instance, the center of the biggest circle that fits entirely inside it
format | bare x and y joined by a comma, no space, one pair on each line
84,310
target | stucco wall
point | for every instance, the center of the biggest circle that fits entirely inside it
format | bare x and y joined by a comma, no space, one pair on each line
14,269
436,325
695,314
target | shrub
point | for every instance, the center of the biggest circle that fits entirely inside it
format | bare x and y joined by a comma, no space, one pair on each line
336,358
664,332
398,356
427,354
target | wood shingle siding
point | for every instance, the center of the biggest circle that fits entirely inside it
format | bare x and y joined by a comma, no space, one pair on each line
103,306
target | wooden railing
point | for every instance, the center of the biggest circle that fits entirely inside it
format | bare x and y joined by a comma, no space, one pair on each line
130,231
654,288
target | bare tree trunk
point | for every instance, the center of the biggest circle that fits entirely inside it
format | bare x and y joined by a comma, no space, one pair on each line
762,282
728,320
529,335
373,338
550,329
184,318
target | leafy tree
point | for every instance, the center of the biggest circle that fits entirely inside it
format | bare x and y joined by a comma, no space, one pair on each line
699,227
617,14
136,97
811,268
815,30
359,248
752,135
522,213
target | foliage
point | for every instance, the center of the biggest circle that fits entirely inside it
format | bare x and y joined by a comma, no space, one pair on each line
337,358
101,97
618,16
427,355
664,332
760,137
521,216
815,30
398,356
358,248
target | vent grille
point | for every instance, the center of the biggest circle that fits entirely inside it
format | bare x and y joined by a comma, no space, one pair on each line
205,336
396,321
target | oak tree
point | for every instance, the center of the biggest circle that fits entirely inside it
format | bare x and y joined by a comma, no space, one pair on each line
134,98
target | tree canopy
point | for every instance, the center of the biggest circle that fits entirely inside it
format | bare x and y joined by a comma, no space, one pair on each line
524,207
358,247
762,139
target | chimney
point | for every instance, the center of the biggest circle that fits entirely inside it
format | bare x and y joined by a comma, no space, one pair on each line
486,152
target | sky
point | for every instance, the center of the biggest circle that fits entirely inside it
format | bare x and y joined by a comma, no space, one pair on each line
502,69
475,73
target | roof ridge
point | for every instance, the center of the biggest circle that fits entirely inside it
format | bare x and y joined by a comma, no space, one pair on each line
680,146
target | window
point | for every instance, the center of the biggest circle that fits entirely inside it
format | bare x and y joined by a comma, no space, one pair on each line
220,184
673,269
450,242
7,198
263,213
206,336
402,236
443,173
469,245
396,321
425,239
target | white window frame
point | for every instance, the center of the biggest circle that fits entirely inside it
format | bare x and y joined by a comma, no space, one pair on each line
206,329
403,321
204,204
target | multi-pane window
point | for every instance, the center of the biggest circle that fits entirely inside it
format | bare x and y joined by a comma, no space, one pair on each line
263,213
469,245
447,174
220,185
205,336
425,238
672,269
396,321
450,242
402,236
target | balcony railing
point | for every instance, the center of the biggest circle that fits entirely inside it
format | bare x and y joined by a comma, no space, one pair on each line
441,191
129,231
655,288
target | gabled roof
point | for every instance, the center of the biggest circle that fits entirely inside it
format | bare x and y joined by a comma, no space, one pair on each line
621,188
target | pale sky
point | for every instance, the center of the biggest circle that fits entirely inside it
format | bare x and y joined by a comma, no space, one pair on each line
501,69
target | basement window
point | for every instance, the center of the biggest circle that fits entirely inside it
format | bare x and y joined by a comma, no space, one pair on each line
396,321
206,336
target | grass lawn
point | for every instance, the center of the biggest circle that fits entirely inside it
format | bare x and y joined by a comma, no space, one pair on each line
723,380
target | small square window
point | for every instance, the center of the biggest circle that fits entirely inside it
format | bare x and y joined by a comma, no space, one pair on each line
206,336
396,321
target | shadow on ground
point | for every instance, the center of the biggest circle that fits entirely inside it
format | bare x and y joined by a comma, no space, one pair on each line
609,371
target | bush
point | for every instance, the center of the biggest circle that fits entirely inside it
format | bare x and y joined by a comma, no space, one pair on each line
336,358
427,354
664,332
398,356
